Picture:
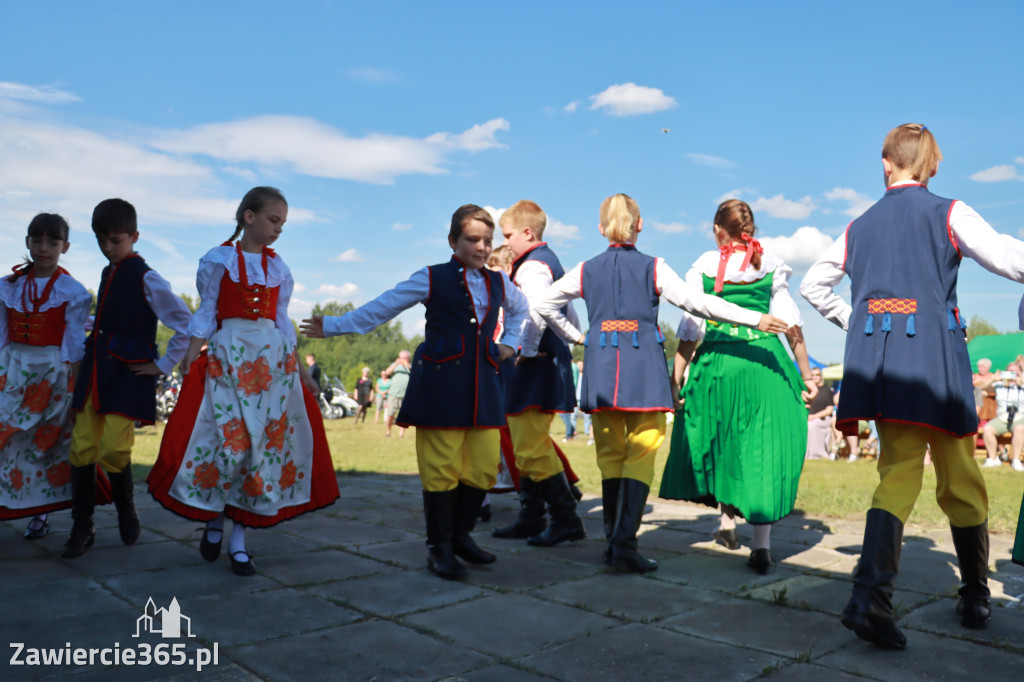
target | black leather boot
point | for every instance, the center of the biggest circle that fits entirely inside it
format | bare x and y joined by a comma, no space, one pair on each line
439,509
531,519
83,500
467,507
869,611
566,525
122,489
609,503
622,552
972,554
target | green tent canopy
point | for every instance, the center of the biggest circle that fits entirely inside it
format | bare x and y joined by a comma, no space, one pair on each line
1001,349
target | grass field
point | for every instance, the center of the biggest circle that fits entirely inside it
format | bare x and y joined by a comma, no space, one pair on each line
827,489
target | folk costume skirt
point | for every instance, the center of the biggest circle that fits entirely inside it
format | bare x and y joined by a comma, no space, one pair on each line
35,432
245,437
741,434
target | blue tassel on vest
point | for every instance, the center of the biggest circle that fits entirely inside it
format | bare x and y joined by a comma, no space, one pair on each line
636,340
615,339
951,319
602,343
869,325
911,325
886,321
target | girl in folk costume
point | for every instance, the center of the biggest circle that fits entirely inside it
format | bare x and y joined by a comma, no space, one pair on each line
741,433
625,378
246,439
42,340
906,367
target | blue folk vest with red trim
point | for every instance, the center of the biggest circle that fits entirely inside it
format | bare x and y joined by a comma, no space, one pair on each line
124,333
624,362
455,381
906,353
544,382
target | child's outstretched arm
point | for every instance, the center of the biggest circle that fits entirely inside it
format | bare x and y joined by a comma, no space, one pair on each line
695,301
369,316
170,309
560,294
820,281
518,322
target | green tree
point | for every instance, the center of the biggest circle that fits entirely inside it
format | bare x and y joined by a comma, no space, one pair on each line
979,326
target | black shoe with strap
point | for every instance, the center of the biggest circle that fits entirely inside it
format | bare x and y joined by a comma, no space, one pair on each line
869,611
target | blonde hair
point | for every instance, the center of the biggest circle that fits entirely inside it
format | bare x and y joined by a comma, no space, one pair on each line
501,257
620,216
525,214
912,147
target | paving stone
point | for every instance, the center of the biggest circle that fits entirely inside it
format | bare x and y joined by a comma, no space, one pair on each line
718,572
66,597
510,625
768,627
371,650
37,569
939,617
637,652
826,594
394,592
524,571
205,579
631,597
342,533
257,616
405,553
809,672
927,657
310,568
502,673
119,559
224,672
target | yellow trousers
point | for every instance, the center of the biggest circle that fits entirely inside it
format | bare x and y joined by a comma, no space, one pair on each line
627,443
531,441
960,487
103,439
447,457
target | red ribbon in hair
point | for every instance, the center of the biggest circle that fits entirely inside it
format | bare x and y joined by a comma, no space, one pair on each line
750,245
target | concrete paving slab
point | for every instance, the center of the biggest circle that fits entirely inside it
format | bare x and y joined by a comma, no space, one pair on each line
396,592
629,597
310,568
637,652
1006,629
510,625
224,672
827,595
56,599
119,559
38,569
405,553
370,650
273,542
927,658
343,533
810,672
525,572
718,572
205,579
501,673
248,617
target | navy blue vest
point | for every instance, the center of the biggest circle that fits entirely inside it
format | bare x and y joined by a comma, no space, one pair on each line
624,362
124,333
544,382
906,352
455,380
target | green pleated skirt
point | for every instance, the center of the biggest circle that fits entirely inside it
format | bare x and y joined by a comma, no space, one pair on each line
741,435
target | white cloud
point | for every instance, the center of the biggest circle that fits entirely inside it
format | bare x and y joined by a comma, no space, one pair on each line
630,99
708,160
299,288
779,206
349,256
342,292
733,194
43,94
310,147
571,107
858,202
560,233
672,228
401,227
997,174
1019,159
803,247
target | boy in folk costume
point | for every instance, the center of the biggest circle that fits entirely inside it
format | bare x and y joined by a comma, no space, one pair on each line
116,386
454,395
906,367
539,385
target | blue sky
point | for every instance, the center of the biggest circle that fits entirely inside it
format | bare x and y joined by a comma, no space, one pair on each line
377,120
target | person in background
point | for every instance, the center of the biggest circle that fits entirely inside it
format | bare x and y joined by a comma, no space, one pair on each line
1009,389
819,420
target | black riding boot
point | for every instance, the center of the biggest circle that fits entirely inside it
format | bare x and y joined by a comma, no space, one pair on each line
122,489
83,500
467,507
531,519
609,503
439,509
972,554
566,525
622,553
869,611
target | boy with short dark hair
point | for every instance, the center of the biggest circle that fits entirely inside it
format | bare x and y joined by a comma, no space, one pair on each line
116,386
